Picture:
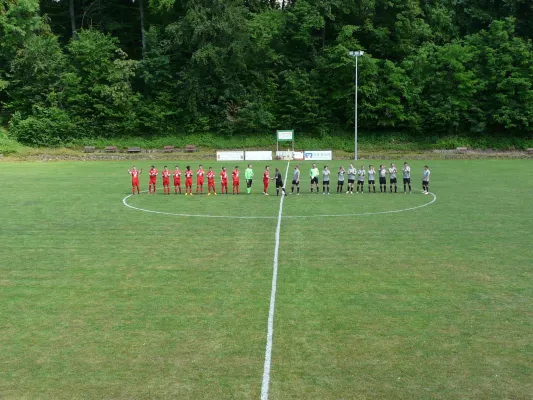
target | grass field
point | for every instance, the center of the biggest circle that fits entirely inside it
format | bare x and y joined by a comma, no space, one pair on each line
102,301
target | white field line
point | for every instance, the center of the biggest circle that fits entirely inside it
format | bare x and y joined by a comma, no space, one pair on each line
124,201
270,328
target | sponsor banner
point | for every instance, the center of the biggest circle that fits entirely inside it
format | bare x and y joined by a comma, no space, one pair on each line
284,155
298,155
319,155
287,135
230,155
258,155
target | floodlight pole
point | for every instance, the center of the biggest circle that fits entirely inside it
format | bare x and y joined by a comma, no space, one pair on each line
356,54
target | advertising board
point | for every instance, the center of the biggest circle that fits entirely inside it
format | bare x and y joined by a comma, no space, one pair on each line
230,155
258,155
318,155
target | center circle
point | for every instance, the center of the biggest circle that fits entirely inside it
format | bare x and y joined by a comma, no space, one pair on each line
273,204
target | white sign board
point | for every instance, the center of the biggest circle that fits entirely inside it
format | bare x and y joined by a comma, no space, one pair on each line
298,155
230,155
258,155
319,155
284,155
285,135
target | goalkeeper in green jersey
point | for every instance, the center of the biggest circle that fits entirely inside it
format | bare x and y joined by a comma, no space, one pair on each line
249,175
313,174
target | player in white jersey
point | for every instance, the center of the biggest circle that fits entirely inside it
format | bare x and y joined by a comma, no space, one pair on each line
425,179
392,179
371,178
361,179
351,178
340,179
382,179
325,179
406,177
296,180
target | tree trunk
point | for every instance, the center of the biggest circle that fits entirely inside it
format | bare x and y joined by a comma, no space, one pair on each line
72,19
143,38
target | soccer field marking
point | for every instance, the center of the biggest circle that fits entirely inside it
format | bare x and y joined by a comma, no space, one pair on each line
368,213
125,202
270,325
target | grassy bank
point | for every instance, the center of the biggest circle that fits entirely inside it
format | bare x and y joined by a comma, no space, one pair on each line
368,143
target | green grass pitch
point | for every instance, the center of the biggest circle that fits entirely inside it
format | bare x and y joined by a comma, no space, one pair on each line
102,301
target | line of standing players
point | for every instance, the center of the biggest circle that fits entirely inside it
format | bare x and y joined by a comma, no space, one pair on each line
354,175
201,174
351,173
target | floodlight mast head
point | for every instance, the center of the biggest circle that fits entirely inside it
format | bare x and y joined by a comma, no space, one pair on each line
357,53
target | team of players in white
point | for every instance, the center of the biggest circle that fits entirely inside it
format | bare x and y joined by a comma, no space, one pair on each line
352,173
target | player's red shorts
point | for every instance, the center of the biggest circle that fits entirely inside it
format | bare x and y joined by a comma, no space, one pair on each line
177,182
200,181
166,181
153,180
135,182
188,182
210,182
224,182
235,183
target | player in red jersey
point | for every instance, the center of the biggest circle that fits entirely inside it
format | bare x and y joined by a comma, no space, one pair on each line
134,172
153,179
224,180
211,181
200,179
266,179
188,180
235,175
166,180
177,179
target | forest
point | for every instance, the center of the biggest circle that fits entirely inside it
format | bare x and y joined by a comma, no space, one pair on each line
77,69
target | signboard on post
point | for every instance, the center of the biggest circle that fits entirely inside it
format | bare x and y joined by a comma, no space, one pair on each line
285,135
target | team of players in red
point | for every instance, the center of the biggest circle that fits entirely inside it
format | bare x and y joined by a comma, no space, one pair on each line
201,174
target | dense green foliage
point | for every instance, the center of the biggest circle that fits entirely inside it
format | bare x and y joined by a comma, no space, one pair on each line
75,69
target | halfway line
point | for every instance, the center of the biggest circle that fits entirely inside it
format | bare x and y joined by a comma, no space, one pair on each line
270,329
